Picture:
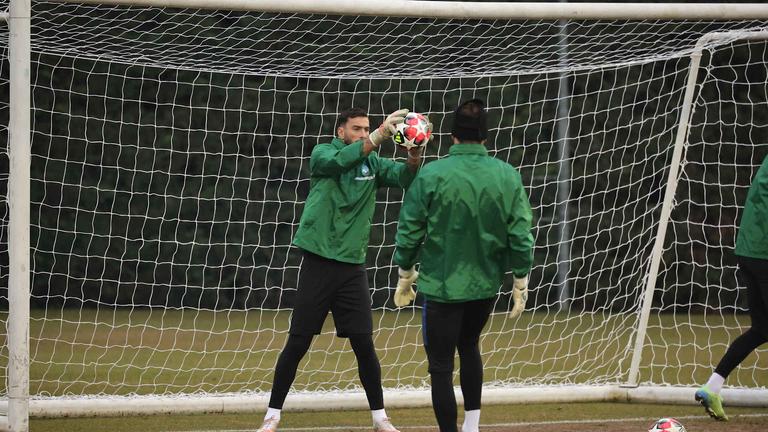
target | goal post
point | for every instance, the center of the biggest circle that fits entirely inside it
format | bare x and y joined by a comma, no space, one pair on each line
17,395
168,168
681,139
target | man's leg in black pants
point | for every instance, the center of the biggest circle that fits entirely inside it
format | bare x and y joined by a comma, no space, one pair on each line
441,324
285,371
475,317
755,275
369,368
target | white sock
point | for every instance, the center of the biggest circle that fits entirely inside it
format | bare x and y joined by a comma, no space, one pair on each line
715,383
471,421
378,415
272,413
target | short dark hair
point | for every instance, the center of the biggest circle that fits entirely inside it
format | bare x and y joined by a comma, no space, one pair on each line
349,114
469,121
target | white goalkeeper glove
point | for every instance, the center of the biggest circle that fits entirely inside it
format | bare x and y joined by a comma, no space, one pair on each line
405,294
519,295
387,129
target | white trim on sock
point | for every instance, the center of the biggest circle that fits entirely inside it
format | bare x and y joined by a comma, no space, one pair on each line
471,421
272,413
715,383
378,415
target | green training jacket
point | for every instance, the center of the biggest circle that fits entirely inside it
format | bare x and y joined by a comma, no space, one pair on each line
336,222
467,219
752,240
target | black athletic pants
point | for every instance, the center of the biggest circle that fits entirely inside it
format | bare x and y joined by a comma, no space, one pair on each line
755,274
297,345
448,327
341,288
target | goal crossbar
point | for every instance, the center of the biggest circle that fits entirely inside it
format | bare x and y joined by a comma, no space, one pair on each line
469,10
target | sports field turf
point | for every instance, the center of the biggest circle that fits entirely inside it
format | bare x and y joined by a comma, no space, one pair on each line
106,352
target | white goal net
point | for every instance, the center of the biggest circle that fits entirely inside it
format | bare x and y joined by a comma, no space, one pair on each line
170,154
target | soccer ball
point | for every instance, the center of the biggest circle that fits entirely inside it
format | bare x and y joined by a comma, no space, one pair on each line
413,131
667,425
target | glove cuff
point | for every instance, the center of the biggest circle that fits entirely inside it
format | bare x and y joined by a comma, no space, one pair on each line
404,273
376,138
520,283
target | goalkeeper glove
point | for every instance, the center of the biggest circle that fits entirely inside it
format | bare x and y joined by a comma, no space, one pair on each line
405,294
387,129
519,295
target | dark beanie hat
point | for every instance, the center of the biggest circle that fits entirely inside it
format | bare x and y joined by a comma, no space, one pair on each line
470,122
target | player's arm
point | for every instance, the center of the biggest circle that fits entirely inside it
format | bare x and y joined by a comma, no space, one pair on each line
520,243
519,237
326,160
411,230
412,223
397,174
414,158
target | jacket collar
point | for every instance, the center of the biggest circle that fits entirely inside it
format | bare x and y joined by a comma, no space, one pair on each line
338,143
476,149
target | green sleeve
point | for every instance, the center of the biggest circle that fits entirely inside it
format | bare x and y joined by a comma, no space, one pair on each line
394,174
412,224
326,160
519,232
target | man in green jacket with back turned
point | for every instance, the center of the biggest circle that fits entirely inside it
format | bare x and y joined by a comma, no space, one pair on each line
333,235
467,219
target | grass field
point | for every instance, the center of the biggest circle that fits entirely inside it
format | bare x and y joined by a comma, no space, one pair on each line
146,351
617,417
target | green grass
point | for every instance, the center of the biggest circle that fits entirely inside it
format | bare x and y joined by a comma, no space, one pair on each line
638,418
147,351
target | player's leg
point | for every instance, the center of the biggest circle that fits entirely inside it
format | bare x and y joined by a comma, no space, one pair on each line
369,369
285,372
441,326
475,317
351,309
311,306
755,276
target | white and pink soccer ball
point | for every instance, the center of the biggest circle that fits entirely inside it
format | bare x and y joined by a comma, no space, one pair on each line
667,425
413,131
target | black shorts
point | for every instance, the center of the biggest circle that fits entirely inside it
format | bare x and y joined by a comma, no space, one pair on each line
329,285
755,274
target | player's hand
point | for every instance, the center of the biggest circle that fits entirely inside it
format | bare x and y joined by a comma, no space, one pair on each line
387,129
519,295
414,158
405,294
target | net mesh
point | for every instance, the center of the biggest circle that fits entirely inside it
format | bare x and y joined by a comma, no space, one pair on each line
170,167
